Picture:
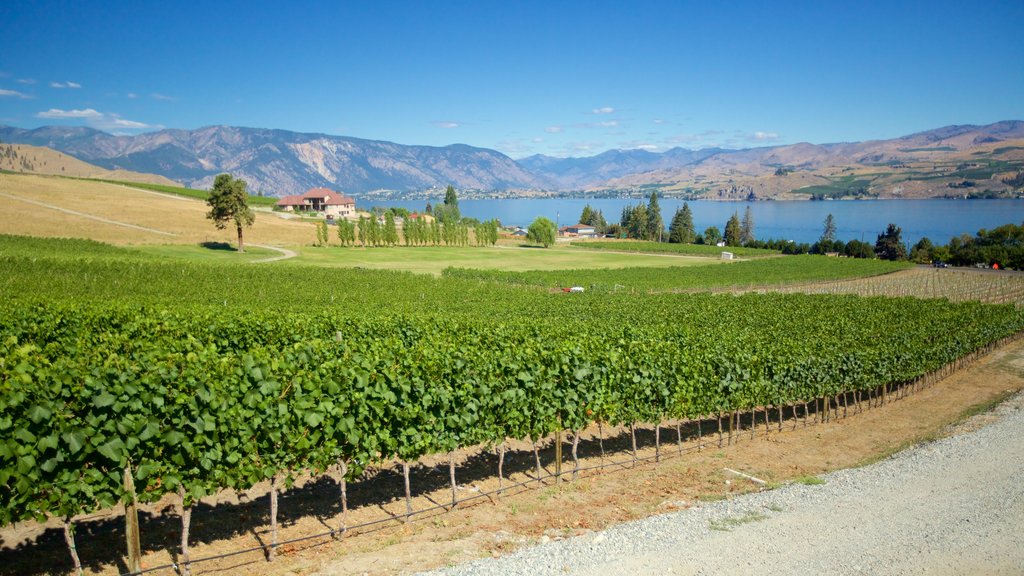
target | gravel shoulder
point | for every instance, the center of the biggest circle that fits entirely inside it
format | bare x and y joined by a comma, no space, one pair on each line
951,506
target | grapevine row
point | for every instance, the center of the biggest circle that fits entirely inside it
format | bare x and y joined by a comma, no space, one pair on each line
198,399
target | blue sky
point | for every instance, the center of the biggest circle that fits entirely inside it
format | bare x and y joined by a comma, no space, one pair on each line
558,78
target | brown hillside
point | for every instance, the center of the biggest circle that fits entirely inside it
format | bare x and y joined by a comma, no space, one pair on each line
40,160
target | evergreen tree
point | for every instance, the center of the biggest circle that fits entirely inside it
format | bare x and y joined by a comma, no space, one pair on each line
587,216
829,233
655,224
747,227
889,245
637,225
681,231
733,230
451,205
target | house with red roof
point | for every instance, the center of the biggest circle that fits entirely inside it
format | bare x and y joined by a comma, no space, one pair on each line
321,200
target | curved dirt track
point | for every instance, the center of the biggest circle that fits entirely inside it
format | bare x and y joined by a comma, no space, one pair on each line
952,506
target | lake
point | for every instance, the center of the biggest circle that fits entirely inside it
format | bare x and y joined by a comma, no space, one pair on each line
939,220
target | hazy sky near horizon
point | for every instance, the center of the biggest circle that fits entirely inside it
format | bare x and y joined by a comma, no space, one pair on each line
571,78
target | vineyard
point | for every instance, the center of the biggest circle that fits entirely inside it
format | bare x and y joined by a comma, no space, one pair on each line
125,379
955,285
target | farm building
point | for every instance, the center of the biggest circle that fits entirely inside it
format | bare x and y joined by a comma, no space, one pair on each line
578,230
321,200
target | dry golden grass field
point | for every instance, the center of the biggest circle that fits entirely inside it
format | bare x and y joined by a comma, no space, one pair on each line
33,205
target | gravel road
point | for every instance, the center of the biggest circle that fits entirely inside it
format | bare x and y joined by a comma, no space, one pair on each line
953,506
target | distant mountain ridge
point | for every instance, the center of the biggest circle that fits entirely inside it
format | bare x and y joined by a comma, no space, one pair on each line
280,162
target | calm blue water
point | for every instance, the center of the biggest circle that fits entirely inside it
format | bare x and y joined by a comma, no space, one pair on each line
939,220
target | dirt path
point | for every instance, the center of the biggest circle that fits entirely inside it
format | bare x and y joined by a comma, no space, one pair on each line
953,506
89,216
285,253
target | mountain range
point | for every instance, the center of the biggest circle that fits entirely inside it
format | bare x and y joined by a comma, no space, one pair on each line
280,162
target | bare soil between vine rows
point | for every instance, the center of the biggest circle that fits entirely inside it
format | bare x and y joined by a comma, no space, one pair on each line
492,525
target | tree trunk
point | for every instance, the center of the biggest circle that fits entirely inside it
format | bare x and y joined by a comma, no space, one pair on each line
241,247
780,417
186,523
273,517
501,465
69,537
600,439
679,437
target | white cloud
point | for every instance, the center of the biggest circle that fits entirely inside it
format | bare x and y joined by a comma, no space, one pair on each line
25,81
446,124
608,124
132,95
55,113
14,94
660,121
96,119
604,110
62,85
165,98
553,129
764,136
130,124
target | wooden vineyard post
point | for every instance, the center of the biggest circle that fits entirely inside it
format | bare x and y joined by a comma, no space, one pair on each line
186,521
408,492
131,519
558,453
451,477
273,518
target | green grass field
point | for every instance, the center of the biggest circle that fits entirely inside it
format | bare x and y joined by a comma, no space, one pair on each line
434,259
701,250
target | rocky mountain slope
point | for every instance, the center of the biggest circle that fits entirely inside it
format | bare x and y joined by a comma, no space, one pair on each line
278,162
949,161
40,160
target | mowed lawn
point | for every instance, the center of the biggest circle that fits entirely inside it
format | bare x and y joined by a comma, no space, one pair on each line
434,259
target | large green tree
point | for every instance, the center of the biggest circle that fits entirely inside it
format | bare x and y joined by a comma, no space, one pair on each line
747,227
829,233
681,231
889,245
655,225
229,202
733,231
541,231
712,235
